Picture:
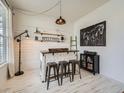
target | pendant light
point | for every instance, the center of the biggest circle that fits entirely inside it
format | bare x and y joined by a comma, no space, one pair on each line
60,20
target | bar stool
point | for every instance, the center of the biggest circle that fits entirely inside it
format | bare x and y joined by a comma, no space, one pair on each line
64,66
48,76
73,64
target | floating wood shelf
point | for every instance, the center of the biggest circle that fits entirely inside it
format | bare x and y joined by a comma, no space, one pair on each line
52,34
49,37
49,34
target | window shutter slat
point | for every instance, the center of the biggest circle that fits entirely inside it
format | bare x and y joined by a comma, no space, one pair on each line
3,34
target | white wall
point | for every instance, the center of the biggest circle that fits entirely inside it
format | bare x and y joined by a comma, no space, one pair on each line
30,48
111,56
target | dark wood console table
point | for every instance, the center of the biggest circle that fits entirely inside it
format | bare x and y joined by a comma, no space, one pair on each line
90,62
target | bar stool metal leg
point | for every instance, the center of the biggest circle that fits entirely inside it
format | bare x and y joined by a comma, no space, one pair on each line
69,71
65,70
79,70
57,75
73,70
48,78
61,74
46,73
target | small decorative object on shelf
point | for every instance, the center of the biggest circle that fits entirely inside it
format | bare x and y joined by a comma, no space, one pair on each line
62,38
36,37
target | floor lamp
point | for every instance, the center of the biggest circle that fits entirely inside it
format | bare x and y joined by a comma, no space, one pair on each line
18,38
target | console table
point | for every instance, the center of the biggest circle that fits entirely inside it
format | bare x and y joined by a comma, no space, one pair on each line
90,62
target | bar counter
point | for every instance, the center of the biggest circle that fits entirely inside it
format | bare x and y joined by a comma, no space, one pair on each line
55,56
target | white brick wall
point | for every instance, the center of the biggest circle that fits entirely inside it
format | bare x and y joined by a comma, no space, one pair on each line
30,48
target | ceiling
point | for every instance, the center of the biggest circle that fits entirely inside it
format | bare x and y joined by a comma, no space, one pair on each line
71,9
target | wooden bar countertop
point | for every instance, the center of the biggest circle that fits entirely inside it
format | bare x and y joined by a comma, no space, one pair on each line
53,52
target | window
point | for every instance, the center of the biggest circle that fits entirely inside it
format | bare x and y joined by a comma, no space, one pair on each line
3,34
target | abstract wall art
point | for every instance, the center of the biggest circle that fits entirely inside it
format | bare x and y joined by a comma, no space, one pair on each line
94,35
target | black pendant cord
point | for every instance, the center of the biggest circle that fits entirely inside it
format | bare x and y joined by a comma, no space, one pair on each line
60,8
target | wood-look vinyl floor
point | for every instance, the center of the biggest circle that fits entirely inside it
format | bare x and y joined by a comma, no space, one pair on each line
30,82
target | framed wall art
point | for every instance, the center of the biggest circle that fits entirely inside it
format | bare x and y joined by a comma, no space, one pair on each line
94,35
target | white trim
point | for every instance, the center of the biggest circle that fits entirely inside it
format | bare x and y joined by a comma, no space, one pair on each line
3,65
4,6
